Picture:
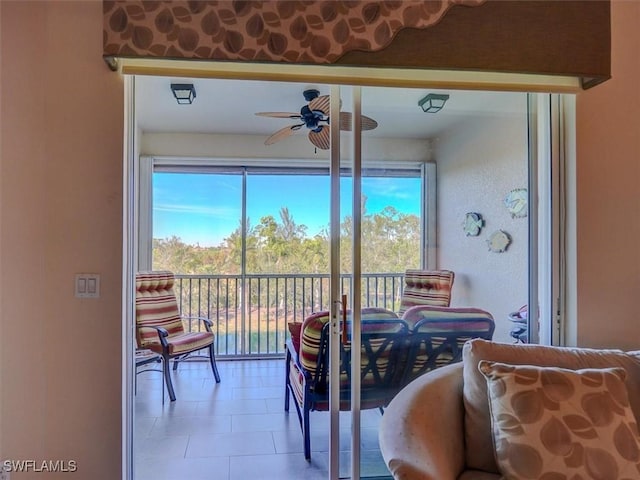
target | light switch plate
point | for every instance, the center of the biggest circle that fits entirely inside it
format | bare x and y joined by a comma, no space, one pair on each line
87,286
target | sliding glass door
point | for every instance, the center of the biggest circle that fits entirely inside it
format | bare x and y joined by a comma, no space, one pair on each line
473,206
272,228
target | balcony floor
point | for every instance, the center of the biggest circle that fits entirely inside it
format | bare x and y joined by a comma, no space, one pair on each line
237,429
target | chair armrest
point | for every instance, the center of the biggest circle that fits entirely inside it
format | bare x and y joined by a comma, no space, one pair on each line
207,322
162,334
293,355
292,351
422,433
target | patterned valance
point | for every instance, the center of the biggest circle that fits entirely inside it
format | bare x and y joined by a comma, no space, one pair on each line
317,32
545,37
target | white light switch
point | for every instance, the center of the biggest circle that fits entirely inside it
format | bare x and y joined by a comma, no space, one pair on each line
87,285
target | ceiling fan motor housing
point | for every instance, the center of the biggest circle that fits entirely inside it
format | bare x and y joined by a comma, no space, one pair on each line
312,118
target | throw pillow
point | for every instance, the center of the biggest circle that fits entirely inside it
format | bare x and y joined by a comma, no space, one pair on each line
552,423
294,329
477,421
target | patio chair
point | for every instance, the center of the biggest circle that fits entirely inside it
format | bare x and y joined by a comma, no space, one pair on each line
426,287
437,335
159,326
383,337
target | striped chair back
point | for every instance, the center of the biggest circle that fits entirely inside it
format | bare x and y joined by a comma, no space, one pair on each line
426,287
439,333
383,339
156,305
310,340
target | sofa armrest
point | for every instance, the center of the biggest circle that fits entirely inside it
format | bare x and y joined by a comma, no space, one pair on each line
422,431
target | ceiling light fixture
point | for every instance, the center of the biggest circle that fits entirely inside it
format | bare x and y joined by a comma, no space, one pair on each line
184,93
433,102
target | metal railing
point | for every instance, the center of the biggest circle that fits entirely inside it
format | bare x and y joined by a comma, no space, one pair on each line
250,312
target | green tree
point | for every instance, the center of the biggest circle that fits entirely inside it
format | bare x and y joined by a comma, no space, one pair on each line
390,243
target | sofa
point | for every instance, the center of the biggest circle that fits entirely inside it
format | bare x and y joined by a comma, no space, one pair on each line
450,424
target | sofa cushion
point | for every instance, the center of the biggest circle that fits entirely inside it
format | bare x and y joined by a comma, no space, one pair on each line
478,440
553,423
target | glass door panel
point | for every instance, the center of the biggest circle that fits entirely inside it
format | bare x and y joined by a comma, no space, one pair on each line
461,216
299,229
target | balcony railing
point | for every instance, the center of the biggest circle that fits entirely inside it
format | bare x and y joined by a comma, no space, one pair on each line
251,312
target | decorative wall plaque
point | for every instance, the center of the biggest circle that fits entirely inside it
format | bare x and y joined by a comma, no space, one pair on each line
472,224
498,241
516,202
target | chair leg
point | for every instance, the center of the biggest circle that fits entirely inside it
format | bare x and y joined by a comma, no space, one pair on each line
287,371
306,433
167,378
286,398
212,359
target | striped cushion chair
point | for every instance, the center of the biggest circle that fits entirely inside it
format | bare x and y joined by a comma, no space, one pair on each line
426,287
159,326
437,335
383,342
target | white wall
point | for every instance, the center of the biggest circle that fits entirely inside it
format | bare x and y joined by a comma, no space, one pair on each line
295,148
478,164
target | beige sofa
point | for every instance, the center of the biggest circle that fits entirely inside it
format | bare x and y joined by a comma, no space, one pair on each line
439,426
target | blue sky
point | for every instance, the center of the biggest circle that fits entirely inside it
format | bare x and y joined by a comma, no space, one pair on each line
204,208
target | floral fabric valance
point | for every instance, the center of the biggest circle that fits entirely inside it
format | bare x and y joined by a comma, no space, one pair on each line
281,31
547,37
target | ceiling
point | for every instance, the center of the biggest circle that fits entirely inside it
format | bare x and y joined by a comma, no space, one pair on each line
229,106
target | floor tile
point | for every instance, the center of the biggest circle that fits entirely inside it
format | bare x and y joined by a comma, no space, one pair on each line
231,444
143,425
276,405
155,408
260,392
211,468
237,429
266,422
230,407
197,425
161,447
276,467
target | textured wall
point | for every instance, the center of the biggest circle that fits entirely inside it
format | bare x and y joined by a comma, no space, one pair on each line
60,214
608,199
478,164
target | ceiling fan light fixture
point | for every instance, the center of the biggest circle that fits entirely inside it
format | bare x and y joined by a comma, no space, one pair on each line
315,117
184,93
433,103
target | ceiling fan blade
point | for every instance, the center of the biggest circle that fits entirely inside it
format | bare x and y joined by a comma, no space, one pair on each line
283,133
366,122
322,103
320,139
278,114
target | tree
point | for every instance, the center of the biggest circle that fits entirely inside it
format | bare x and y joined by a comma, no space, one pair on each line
390,243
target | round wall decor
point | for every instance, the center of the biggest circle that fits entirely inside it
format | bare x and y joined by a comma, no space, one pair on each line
472,224
498,241
516,202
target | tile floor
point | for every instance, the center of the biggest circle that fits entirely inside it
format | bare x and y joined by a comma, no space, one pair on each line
237,429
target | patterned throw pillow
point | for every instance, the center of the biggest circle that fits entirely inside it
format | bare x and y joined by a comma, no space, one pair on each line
552,424
294,329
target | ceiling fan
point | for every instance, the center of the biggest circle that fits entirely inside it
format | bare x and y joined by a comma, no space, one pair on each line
314,116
